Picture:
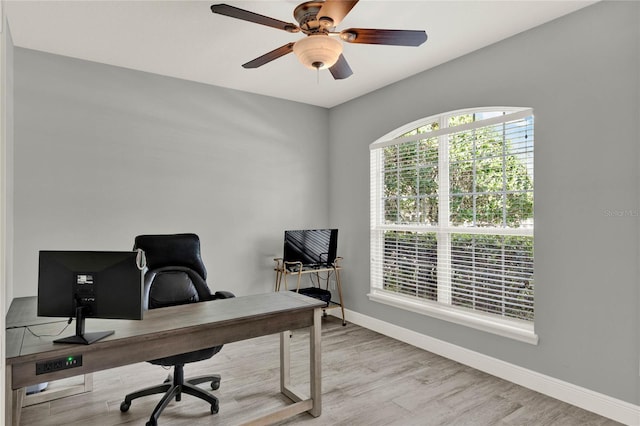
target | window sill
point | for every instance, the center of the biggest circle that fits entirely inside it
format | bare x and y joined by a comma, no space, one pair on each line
512,329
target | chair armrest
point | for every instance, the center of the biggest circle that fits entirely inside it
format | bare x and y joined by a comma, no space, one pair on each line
223,295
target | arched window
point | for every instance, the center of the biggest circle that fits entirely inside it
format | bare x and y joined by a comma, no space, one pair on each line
452,219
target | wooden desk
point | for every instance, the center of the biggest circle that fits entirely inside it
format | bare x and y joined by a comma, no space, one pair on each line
170,331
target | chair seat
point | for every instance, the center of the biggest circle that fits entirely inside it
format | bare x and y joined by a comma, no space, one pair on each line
187,358
316,293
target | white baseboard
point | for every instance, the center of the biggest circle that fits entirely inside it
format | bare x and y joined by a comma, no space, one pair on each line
587,399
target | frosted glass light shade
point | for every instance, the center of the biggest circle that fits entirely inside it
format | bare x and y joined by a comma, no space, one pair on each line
318,51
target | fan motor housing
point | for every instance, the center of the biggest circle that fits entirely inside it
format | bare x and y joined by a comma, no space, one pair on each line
307,16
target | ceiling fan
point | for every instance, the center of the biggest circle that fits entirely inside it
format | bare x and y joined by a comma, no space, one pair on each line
321,49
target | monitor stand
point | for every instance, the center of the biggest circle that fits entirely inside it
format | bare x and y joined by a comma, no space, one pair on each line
82,338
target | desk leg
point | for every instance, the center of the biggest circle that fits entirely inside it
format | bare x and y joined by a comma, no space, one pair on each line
315,363
8,397
315,366
285,362
16,408
13,401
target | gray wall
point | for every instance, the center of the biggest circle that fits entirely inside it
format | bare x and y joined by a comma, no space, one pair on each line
580,74
105,153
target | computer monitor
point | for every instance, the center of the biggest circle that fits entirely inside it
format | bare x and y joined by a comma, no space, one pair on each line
95,284
314,248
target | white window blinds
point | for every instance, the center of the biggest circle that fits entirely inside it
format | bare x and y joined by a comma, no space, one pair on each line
452,213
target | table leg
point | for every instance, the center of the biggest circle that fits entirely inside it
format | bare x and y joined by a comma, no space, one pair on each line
18,399
13,401
315,363
285,361
8,397
278,278
339,285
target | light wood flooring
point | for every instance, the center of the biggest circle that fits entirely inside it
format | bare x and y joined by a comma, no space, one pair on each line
368,379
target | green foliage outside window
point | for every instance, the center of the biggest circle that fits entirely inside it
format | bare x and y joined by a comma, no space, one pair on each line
489,184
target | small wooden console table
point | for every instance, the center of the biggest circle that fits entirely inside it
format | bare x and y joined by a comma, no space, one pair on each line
284,268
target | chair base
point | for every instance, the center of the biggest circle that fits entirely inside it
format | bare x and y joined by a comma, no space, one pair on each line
174,388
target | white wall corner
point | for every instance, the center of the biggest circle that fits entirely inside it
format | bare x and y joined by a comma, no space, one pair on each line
604,405
2,213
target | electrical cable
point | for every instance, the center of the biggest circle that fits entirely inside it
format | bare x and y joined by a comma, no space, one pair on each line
69,321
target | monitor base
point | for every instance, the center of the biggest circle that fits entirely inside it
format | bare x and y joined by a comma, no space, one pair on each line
86,338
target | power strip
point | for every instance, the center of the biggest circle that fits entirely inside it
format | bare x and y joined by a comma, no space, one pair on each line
65,363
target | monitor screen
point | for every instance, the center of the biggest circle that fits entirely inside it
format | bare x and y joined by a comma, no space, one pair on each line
94,284
311,247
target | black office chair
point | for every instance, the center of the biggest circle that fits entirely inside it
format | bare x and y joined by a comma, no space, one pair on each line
176,275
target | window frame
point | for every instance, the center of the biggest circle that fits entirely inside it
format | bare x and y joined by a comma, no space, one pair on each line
517,329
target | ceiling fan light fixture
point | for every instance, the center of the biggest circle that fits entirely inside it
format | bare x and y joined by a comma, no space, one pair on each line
318,51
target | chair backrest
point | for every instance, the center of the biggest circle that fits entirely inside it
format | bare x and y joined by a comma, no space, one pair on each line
175,272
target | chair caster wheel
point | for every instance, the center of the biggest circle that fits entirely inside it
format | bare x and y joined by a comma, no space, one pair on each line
215,384
151,423
215,408
124,407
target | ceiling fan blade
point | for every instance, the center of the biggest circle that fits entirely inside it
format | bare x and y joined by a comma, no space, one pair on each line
245,15
341,69
268,57
336,10
389,37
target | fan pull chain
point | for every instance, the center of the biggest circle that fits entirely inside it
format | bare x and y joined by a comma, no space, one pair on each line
318,76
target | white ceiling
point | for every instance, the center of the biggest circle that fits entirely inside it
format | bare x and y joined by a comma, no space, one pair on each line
184,39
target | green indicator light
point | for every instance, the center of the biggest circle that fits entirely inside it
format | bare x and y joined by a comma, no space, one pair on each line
70,358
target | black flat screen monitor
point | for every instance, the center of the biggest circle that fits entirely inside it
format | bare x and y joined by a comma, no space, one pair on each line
89,284
314,248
